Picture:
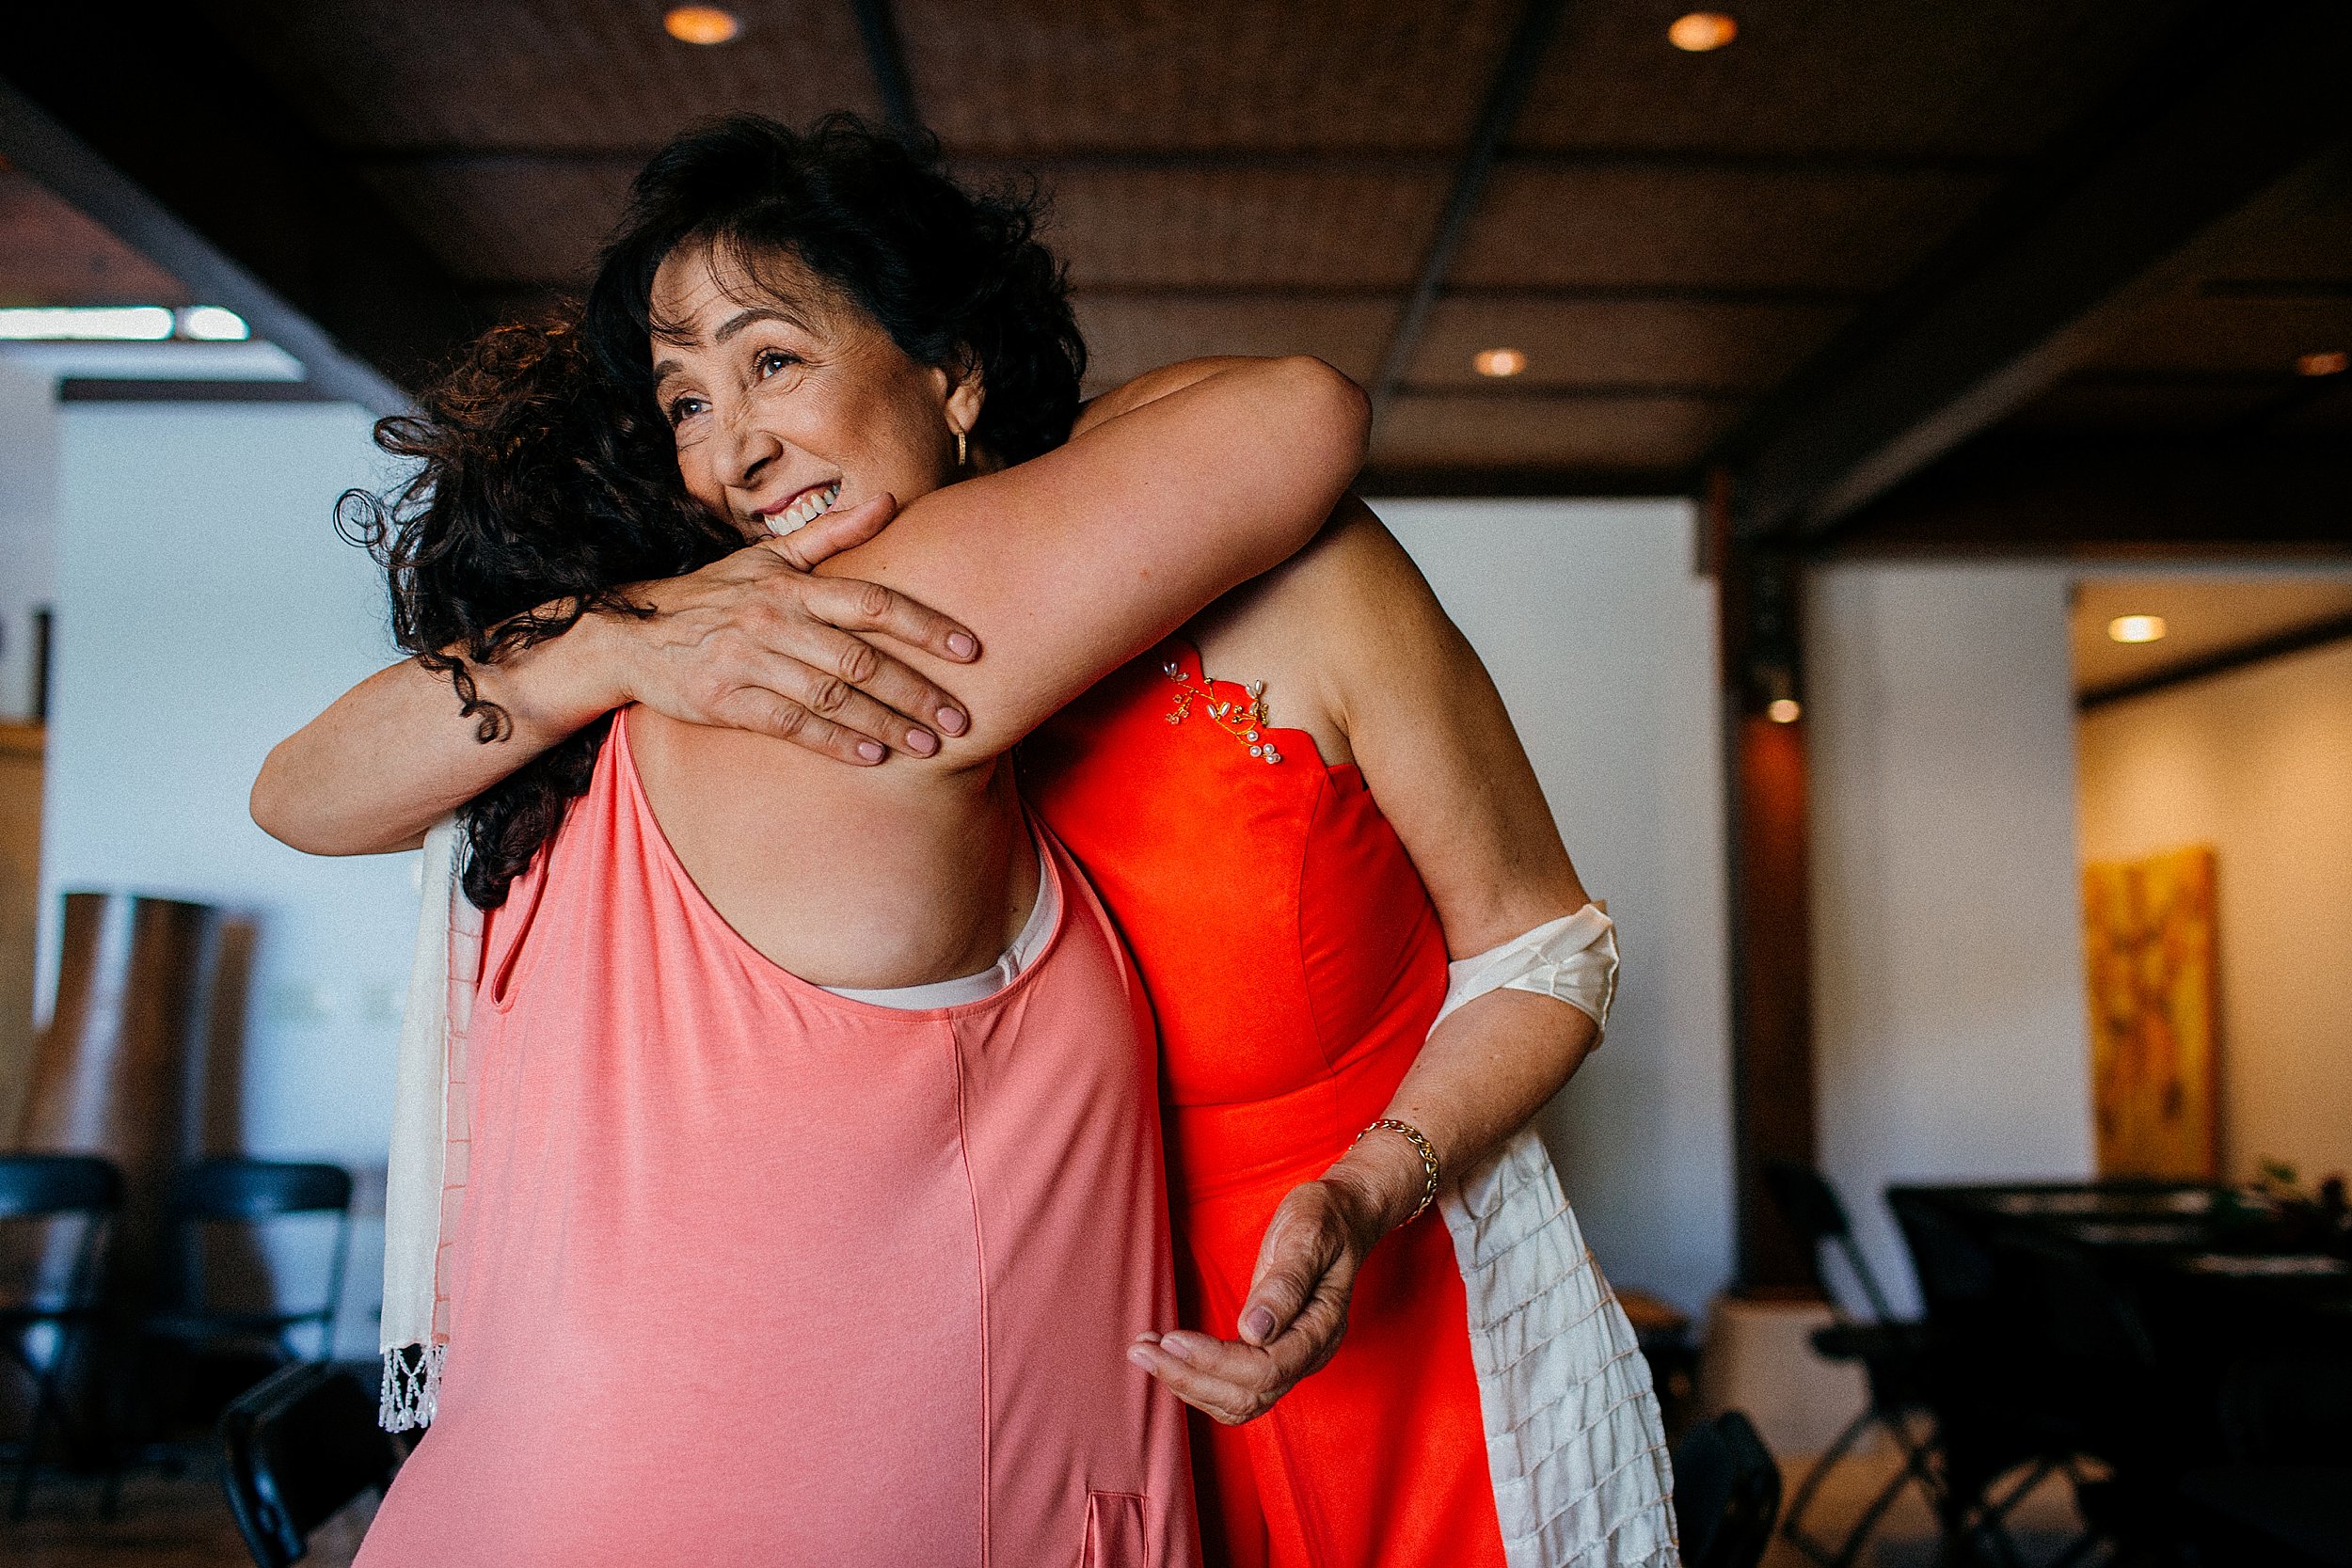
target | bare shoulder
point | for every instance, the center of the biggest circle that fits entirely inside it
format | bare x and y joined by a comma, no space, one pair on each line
1341,623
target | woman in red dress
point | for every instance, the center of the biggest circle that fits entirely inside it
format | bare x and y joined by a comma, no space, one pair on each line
1297,811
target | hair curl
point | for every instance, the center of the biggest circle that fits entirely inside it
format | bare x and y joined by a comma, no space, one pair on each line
548,477
541,491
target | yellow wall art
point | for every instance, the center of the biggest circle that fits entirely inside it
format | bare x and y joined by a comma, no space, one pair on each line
2148,929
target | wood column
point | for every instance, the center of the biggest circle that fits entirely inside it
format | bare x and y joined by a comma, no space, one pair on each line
119,1069
1772,979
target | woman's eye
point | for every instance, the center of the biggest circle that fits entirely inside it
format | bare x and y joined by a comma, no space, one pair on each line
682,410
775,359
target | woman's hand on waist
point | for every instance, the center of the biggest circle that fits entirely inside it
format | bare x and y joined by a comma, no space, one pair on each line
754,642
1295,1314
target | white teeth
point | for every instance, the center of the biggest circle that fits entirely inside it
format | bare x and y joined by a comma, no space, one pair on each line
806,510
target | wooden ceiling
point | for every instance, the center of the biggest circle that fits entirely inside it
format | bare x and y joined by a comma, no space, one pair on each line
1700,255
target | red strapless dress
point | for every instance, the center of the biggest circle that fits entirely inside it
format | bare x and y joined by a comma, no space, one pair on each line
1296,965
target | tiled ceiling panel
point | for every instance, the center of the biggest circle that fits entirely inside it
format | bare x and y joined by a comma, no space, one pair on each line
1990,78
1127,336
2298,232
51,254
1680,342
565,73
1239,227
1649,433
1633,223
510,221
2188,331
2108,405
1049,75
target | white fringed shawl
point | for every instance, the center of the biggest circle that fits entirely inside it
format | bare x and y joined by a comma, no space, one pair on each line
429,1135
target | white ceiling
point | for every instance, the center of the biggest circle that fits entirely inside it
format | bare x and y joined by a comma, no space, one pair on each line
2203,616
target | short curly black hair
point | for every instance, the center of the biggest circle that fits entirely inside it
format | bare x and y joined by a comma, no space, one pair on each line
958,279
539,492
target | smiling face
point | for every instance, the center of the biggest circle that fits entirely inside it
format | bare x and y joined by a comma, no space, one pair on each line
787,400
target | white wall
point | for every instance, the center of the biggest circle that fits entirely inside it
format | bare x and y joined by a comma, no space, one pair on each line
28,494
1601,639
2257,763
206,608
1949,1011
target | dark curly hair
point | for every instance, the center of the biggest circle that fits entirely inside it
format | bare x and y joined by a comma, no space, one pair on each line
541,490
958,279
548,477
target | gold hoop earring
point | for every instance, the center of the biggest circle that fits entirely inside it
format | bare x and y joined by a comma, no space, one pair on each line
961,459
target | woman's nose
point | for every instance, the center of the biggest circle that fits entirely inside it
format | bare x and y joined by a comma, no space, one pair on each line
748,452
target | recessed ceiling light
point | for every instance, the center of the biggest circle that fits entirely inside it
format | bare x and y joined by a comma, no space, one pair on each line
2323,364
1783,710
211,323
1701,31
1499,361
145,324
701,25
2136,628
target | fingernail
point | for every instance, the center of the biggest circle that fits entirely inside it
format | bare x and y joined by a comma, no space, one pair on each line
950,721
1147,1338
1256,1325
870,750
960,644
1176,1347
922,742
1140,1356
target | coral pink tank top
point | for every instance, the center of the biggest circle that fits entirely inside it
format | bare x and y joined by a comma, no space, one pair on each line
748,1272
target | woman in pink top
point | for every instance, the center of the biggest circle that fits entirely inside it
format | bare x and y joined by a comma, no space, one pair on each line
814,1193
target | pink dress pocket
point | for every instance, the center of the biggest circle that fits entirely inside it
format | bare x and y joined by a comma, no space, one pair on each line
1115,1531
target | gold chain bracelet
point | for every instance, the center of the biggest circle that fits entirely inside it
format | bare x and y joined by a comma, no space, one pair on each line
1420,1147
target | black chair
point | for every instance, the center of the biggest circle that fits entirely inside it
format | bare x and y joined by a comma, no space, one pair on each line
236,1191
298,1448
1726,1494
1971,1376
56,1308
1888,1351
2085,1381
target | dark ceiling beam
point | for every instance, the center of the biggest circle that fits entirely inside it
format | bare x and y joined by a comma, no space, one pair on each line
1533,295
2018,495
886,57
44,149
2279,288
1388,481
1362,160
181,118
1517,390
2245,95
1515,74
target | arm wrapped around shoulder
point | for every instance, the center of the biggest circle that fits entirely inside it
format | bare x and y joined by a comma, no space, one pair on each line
1573,959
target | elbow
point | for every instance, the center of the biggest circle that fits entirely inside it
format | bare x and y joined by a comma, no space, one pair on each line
1331,427
269,805
1334,412
275,806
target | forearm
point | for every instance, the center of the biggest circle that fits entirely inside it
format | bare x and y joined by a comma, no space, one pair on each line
1486,1073
393,754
